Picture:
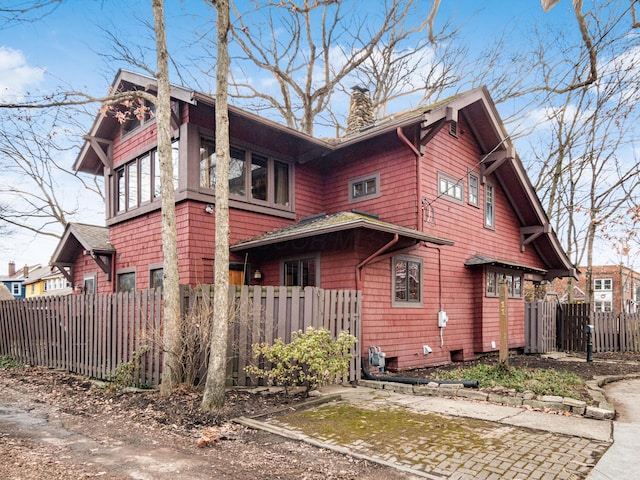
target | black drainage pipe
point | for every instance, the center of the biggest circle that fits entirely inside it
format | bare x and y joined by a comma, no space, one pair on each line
415,381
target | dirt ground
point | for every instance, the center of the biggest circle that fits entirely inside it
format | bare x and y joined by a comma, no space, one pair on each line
56,425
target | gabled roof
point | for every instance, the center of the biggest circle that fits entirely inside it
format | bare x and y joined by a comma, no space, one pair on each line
476,106
91,238
325,224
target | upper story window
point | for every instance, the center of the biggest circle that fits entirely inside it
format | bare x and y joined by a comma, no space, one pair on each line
450,188
603,284
474,197
407,281
146,115
489,206
16,288
253,177
364,187
138,181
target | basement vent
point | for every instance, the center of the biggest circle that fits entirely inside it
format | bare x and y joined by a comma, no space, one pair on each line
453,129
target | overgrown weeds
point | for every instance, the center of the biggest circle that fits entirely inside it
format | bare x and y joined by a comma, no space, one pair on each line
539,381
7,362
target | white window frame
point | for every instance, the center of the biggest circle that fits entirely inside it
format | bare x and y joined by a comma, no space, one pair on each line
489,206
473,194
16,289
450,188
600,284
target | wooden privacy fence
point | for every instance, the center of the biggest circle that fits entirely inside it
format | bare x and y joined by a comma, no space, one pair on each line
93,335
540,327
551,327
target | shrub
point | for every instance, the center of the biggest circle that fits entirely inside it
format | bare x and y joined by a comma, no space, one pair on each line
7,362
125,373
312,359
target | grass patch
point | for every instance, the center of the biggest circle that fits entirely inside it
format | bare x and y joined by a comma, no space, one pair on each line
7,362
539,381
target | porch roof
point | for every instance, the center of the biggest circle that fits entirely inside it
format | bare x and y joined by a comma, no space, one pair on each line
481,260
323,224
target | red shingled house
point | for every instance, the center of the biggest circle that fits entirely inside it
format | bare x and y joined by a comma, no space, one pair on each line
423,213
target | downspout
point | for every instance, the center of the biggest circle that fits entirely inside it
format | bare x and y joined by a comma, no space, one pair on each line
362,264
407,142
415,381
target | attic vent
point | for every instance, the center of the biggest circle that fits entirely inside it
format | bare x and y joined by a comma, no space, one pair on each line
453,129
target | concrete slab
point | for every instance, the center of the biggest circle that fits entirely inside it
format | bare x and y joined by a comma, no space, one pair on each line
622,460
574,426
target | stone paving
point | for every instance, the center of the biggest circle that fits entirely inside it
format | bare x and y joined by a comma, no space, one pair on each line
400,431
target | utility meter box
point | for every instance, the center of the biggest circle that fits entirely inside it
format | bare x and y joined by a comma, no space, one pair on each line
442,319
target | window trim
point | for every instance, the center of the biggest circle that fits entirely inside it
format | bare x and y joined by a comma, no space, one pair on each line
489,203
451,182
515,287
122,179
126,271
396,303
476,177
363,179
272,160
93,277
13,288
312,256
602,281
154,267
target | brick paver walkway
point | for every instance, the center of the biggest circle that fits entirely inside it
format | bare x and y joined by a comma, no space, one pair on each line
434,445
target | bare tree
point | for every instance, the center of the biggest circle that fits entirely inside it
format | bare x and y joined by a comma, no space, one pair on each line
586,171
171,338
171,370
15,11
33,147
309,48
213,398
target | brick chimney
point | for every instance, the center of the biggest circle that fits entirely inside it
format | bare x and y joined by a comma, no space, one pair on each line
12,269
360,110
25,271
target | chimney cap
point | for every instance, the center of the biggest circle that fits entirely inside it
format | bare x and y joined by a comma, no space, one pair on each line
360,88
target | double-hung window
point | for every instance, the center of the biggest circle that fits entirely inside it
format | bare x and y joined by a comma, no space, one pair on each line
489,206
473,197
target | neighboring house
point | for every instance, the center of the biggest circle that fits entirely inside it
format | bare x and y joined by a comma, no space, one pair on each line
46,281
424,213
15,279
616,288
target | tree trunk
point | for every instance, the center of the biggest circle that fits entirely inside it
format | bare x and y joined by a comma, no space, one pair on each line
213,398
171,372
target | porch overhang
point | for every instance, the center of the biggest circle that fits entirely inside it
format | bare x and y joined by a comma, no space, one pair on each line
90,240
533,273
323,224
